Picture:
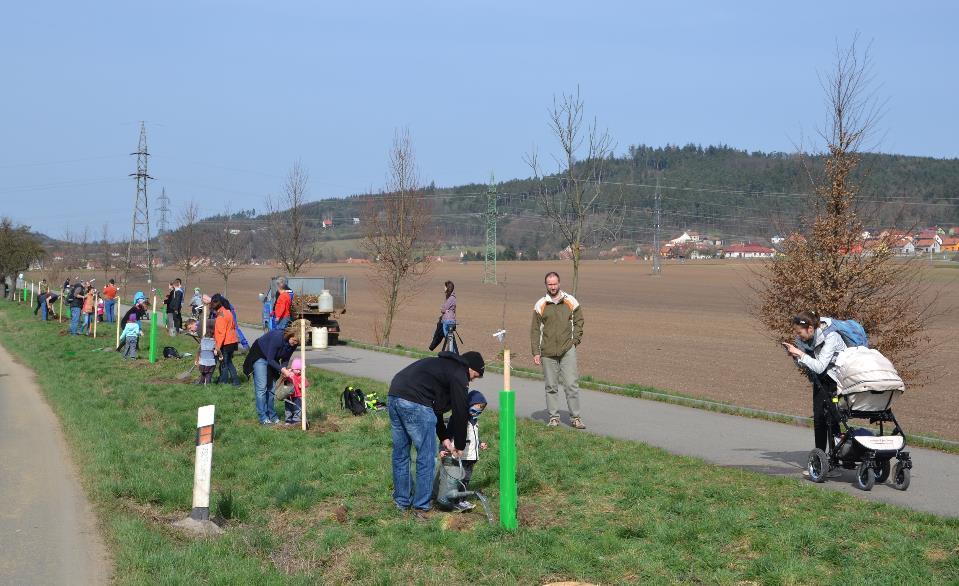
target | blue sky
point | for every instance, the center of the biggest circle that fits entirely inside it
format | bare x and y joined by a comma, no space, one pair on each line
234,92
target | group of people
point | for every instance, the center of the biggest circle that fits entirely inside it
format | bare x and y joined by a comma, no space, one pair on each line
422,393
83,300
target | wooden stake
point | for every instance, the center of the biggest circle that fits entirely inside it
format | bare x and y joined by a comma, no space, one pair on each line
204,320
96,301
506,368
31,293
117,299
303,376
60,313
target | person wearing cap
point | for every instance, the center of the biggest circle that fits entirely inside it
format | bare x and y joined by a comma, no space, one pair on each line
419,396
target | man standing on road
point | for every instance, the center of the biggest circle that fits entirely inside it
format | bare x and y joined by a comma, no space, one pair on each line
419,396
556,331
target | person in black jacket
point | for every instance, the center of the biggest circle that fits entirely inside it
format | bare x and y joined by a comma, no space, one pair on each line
174,305
419,396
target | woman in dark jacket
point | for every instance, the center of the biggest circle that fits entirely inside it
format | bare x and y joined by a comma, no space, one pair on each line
266,362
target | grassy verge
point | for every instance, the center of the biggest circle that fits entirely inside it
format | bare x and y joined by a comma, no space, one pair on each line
315,507
655,394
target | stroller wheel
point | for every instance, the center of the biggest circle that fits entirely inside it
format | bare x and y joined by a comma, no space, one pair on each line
882,471
817,465
900,481
865,477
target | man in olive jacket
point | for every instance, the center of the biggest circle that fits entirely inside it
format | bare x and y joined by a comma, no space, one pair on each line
556,331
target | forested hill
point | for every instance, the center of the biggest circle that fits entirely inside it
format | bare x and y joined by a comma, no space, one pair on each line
716,189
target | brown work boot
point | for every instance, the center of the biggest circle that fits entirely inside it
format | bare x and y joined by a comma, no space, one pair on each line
423,516
577,423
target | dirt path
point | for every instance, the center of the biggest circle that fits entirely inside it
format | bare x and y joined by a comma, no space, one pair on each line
48,533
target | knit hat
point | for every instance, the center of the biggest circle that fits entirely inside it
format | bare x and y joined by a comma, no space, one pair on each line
297,364
133,318
475,361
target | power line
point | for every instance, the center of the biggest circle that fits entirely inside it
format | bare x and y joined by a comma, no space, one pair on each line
138,250
489,273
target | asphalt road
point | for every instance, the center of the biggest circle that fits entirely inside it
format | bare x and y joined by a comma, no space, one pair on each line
726,440
48,533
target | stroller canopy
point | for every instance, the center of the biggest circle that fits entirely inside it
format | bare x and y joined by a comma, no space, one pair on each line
866,379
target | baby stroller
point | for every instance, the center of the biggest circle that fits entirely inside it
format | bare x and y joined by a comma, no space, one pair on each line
866,387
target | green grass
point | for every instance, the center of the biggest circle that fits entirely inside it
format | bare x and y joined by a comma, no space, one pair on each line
315,507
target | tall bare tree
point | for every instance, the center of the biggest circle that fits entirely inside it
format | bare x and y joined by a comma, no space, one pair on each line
829,268
290,239
574,200
227,247
185,244
395,231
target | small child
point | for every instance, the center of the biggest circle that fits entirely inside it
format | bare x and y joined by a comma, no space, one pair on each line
130,337
100,310
294,403
206,359
477,403
196,302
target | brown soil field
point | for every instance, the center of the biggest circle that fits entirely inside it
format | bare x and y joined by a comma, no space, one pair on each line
688,330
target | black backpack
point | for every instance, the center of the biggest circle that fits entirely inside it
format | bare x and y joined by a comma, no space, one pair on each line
170,352
354,400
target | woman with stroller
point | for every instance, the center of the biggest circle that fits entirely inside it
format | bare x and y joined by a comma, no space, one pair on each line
815,351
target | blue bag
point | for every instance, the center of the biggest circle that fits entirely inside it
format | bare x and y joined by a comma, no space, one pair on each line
852,332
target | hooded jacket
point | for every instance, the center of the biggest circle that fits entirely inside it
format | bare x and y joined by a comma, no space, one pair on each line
442,384
821,351
556,326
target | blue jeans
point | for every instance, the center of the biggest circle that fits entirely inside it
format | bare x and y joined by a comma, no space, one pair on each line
75,320
447,325
281,324
108,305
43,312
413,425
263,393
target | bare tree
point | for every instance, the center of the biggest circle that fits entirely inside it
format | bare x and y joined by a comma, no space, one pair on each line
83,248
226,247
830,268
577,205
185,244
289,239
395,231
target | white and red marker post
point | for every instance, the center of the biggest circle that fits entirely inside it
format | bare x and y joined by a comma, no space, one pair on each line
204,463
